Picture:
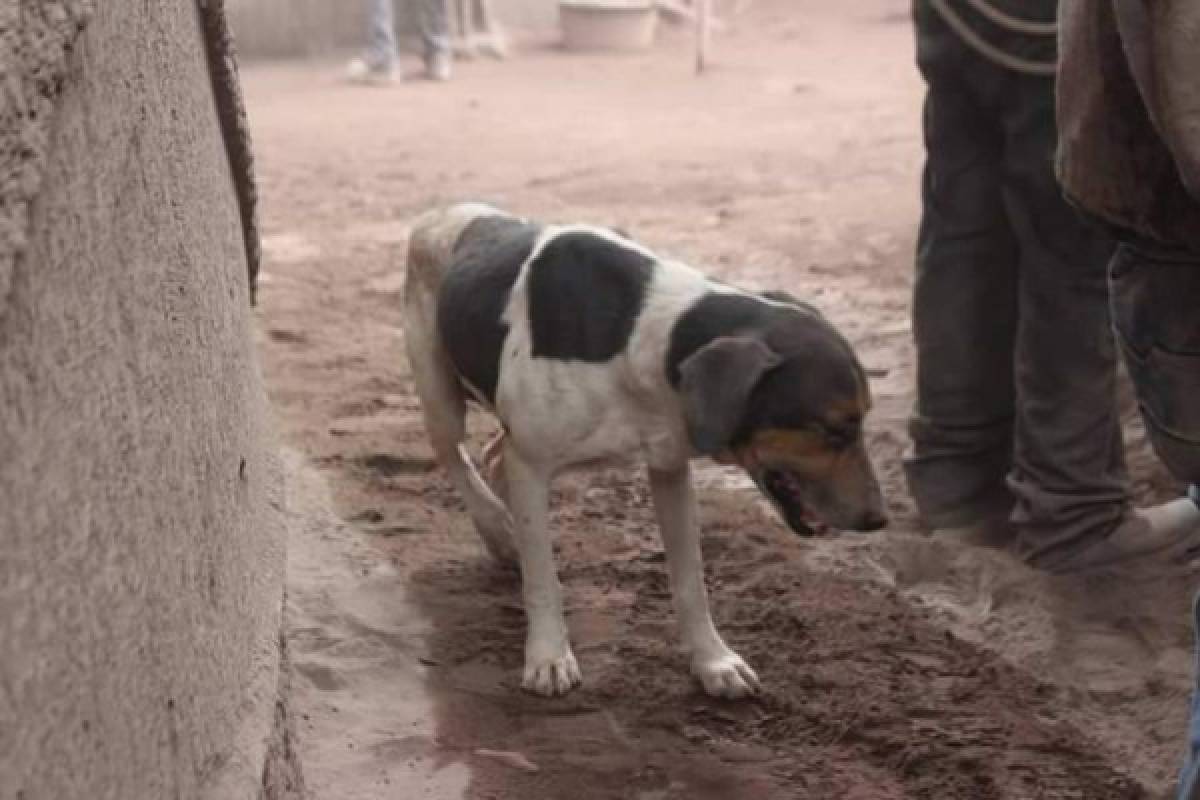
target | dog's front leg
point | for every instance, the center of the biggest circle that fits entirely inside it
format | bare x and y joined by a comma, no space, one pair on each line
722,671
550,666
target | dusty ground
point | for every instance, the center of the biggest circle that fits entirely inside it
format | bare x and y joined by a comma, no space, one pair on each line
896,666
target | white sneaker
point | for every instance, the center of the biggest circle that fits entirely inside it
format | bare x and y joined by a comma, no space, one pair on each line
360,71
437,67
1166,533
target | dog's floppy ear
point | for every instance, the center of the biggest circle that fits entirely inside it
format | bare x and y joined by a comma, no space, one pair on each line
716,382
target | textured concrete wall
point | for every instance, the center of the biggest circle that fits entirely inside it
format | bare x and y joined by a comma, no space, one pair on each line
141,550
296,28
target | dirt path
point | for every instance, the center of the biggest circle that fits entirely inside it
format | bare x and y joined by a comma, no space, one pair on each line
897,667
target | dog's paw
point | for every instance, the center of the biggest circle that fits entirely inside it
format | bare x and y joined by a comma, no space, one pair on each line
552,676
726,675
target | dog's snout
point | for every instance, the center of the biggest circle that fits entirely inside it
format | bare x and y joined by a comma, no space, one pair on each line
871,521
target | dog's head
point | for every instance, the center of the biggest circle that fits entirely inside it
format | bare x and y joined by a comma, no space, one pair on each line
785,399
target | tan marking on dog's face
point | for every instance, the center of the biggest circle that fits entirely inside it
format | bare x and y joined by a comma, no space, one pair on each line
812,455
806,452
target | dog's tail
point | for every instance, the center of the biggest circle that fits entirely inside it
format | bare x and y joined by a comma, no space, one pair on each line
443,402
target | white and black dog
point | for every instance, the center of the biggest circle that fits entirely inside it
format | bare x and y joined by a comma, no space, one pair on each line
588,347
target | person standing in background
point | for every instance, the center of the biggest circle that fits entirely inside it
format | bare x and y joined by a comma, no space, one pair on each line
380,64
1016,433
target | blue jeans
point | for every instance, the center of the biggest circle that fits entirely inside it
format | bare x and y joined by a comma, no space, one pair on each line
381,31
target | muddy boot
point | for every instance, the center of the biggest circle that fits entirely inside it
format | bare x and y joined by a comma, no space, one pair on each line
1169,533
995,532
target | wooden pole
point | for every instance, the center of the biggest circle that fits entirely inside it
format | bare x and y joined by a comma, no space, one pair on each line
703,32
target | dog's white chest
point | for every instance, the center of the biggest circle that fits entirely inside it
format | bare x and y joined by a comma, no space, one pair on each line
571,413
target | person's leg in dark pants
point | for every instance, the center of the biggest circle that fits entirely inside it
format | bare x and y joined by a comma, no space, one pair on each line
1189,778
1068,474
964,303
1154,291
1072,509
1016,431
1156,306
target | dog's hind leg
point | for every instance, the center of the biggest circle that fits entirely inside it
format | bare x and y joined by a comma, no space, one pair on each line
444,407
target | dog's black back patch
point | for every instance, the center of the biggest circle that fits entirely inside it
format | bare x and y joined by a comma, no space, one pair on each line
474,293
585,294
